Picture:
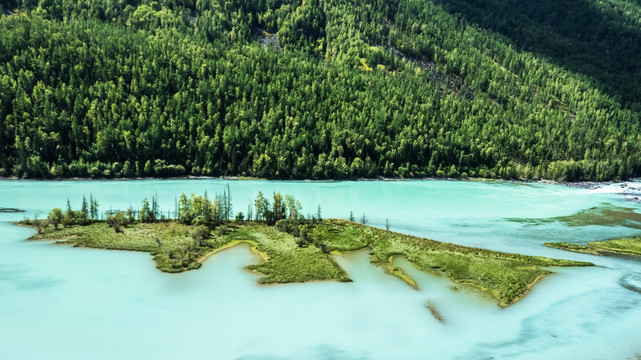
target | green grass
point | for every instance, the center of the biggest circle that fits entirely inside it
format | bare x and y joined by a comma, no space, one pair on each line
626,246
177,250
507,277
287,262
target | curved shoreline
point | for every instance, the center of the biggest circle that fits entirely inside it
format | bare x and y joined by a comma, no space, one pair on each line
253,247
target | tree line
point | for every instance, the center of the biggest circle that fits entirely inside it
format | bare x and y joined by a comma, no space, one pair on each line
284,212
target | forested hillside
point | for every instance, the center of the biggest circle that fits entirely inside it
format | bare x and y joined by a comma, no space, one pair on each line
321,88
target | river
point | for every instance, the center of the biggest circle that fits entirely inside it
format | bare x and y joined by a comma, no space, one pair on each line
58,302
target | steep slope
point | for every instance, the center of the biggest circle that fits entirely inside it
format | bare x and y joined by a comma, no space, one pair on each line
406,88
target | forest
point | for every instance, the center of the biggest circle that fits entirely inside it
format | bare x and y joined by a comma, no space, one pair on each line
321,89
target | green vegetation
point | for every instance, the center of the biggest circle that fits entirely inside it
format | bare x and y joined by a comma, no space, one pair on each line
604,215
295,249
286,261
628,246
347,89
170,243
505,276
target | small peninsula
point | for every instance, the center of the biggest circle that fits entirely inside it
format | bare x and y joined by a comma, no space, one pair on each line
293,248
626,246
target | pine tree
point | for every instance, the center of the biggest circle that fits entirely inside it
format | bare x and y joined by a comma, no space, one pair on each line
84,209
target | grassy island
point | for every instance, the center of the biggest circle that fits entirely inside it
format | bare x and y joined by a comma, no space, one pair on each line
293,248
627,246
175,248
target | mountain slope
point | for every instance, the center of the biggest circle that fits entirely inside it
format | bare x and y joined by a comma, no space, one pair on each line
406,88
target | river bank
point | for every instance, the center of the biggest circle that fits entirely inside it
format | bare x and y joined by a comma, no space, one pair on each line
591,185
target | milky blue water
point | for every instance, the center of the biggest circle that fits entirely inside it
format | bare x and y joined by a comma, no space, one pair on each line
58,302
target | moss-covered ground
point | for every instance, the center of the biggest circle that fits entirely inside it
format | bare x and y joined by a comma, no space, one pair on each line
627,246
507,277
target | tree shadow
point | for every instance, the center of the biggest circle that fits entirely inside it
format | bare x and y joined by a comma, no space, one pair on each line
601,42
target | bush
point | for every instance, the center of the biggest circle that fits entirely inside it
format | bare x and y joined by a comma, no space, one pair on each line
55,217
116,221
200,233
72,217
289,226
222,230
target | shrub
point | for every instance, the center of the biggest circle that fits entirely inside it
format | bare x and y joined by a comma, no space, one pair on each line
286,225
55,217
116,221
222,230
200,233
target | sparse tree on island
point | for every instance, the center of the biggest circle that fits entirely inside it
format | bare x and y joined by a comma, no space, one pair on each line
41,225
318,213
227,207
294,207
84,209
55,217
116,221
145,215
155,211
364,219
249,212
351,216
217,210
93,207
279,207
262,206
71,217
387,224
206,209
130,215
184,209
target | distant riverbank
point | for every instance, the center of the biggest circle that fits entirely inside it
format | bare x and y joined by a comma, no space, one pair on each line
575,184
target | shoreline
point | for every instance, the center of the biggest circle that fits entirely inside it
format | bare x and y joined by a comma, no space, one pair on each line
253,247
590,185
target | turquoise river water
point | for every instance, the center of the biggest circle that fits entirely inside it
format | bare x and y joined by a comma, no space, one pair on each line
58,302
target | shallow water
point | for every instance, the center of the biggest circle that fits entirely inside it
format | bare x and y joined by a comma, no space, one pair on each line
61,302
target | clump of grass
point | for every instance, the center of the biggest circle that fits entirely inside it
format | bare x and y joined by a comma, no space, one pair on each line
625,246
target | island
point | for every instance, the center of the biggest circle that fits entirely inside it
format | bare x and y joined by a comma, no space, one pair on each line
625,246
293,248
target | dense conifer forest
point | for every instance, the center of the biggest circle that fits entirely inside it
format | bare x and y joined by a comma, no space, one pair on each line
321,88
